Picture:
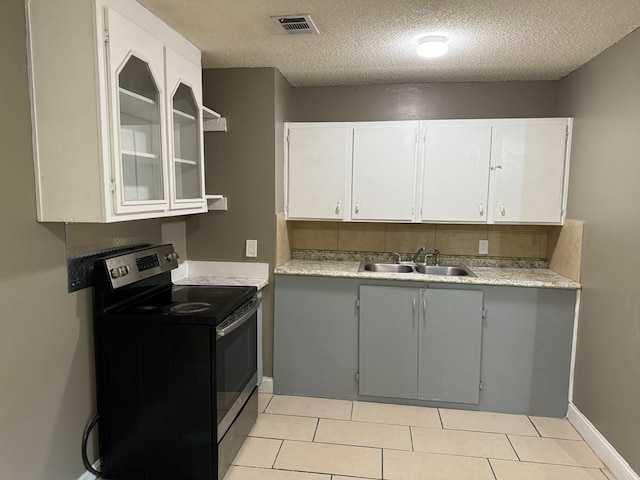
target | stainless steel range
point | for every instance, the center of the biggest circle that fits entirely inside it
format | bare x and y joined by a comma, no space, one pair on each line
176,369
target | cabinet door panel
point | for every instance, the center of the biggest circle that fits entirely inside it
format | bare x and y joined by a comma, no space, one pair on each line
384,164
136,82
315,336
528,171
455,180
450,346
388,356
317,172
186,172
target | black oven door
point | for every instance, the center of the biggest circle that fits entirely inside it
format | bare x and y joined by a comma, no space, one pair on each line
236,363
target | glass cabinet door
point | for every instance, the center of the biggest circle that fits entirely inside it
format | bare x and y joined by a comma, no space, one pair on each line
186,164
140,133
138,117
187,159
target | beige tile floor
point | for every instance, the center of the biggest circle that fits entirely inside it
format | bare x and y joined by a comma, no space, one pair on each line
301,438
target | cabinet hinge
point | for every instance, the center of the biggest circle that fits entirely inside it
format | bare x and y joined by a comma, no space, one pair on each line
288,136
112,186
357,376
481,385
566,133
287,209
106,36
357,303
484,313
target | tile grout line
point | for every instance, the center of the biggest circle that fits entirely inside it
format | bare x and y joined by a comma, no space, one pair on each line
534,426
514,448
413,449
315,432
492,470
277,454
440,418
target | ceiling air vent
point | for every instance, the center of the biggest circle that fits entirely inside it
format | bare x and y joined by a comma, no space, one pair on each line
295,24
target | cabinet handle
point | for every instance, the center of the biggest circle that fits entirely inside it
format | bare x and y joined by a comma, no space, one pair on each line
424,311
414,312
338,207
357,208
497,167
502,210
480,210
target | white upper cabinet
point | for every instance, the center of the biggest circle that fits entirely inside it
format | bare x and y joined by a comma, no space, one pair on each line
318,174
529,171
107,78
442,171
384,171
455,172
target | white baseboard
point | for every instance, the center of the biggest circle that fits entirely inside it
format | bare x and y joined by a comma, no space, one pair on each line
601,446
266,386
88,475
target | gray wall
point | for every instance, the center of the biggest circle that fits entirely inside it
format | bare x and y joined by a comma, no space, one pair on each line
46,339
425,101
241,164
604,98
46,359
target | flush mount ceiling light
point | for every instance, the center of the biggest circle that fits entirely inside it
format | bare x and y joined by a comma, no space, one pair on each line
432,46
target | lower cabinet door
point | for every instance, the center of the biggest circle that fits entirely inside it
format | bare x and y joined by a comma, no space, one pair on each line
450,345
388,356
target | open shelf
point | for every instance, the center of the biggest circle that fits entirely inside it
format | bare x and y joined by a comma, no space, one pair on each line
216,202
213,121
185,115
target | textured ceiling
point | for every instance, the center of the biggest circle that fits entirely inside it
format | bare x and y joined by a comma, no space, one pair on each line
373,41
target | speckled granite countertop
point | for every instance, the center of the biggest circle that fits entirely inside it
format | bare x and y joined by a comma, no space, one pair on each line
510,277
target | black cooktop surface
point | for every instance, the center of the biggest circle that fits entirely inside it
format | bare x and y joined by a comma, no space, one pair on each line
188,301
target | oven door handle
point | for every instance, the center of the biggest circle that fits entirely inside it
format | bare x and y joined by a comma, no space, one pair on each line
231,324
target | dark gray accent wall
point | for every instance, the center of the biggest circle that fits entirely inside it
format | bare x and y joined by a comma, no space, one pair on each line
425,101
604,98
241,164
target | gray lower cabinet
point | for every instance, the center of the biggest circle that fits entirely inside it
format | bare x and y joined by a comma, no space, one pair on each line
426,344
420,344
526,352
315,336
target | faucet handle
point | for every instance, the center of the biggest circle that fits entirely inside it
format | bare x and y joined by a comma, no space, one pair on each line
398,257
436,254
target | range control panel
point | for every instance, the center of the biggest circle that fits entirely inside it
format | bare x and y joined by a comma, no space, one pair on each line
134,266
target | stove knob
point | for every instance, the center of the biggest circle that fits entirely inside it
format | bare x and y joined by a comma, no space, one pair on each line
115,272
124,270
169,257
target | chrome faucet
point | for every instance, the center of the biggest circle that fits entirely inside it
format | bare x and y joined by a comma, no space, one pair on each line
416,256
435,255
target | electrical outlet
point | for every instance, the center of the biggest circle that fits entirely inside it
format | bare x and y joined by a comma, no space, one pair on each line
483,247
251,248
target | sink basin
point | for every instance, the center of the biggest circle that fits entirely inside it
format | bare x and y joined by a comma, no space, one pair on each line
386,268
455,271
449,271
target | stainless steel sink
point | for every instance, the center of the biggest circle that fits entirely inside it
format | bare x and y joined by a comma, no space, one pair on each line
386,267
455,271
449,271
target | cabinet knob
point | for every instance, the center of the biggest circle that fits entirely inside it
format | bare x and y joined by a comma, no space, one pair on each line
502,210
480,210
357,208
338,207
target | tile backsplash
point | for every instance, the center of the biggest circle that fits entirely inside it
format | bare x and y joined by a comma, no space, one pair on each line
521,241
